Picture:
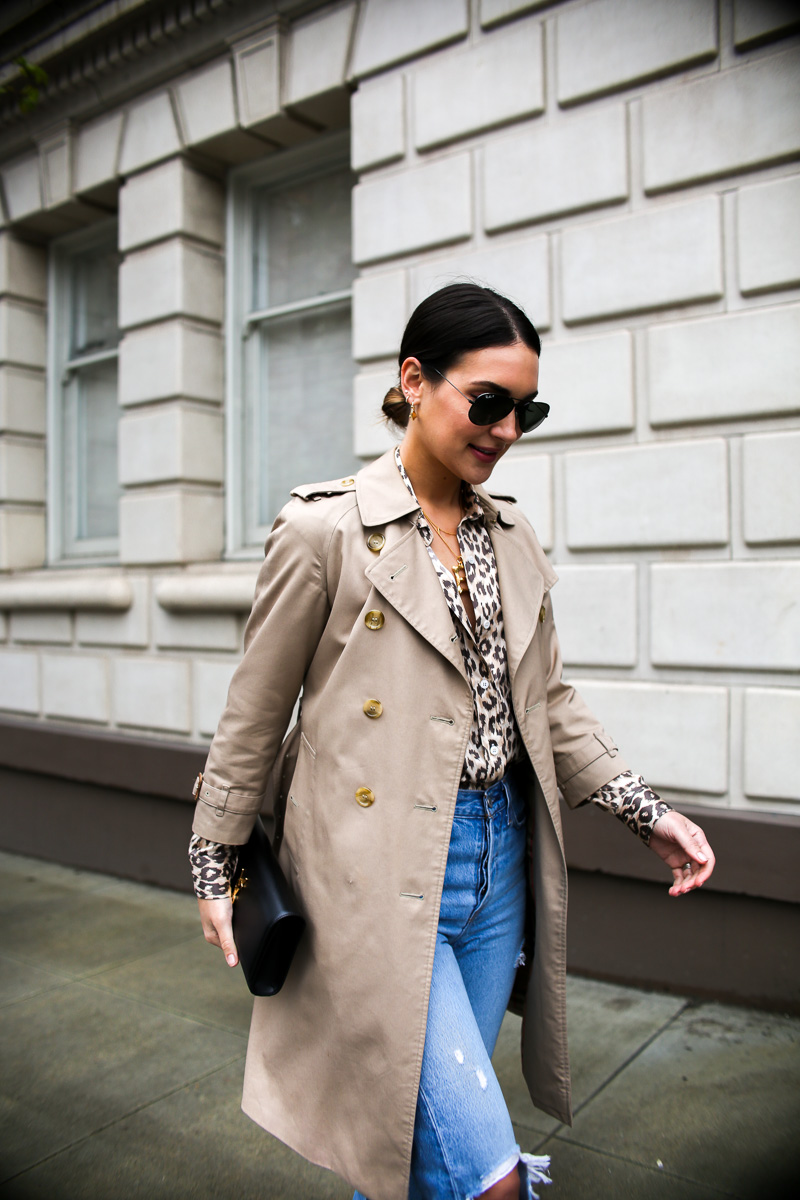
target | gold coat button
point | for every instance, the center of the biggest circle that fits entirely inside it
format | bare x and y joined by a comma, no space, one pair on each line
347,482
373,708
374,619
542,615
376,542
365,797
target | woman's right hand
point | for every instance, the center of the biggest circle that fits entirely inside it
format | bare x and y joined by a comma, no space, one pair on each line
216,917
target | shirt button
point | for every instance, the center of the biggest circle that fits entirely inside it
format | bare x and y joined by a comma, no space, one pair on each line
486,623
373,708
484,684
494,748
374,619
470,559
365,797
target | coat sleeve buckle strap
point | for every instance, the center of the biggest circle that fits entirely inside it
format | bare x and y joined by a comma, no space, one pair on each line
219,799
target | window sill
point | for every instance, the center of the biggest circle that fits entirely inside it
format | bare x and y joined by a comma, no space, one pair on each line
58,591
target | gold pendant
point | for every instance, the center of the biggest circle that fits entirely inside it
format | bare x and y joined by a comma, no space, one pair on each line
459,576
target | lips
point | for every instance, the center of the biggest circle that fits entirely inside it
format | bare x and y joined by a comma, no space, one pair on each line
484,453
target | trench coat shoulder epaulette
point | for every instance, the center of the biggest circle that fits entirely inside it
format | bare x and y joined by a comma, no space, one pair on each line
502,496
331,487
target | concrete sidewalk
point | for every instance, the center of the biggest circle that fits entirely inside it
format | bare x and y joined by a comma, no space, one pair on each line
122,1045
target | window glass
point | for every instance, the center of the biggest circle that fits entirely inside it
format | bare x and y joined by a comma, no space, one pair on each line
294,414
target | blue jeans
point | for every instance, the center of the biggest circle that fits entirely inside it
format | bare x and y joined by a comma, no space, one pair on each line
463,1138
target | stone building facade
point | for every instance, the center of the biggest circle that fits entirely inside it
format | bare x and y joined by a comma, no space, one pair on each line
215,222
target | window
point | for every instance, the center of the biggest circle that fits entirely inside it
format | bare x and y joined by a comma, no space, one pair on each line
83,411
290,367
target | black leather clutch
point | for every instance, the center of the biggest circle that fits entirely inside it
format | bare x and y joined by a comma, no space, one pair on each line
267,924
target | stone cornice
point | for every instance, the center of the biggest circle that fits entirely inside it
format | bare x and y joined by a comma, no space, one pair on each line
125,48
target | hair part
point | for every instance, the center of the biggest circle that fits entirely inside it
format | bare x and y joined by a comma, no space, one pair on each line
449,324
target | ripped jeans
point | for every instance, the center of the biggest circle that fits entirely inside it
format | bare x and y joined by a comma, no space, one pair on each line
463,1138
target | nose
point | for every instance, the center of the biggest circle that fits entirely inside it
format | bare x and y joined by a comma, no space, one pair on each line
507,430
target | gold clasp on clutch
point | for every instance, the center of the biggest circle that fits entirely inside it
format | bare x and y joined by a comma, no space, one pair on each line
241,882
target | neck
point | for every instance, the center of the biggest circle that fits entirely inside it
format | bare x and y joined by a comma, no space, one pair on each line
435,486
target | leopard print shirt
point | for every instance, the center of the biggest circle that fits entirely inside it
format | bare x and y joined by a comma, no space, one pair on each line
494,740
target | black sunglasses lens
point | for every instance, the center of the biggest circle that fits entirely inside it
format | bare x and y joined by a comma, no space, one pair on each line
488,408
532,414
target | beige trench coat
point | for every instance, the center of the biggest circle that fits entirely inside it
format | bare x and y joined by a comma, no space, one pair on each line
334,1060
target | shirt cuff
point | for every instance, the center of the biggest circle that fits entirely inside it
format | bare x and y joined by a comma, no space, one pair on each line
213,865
630,799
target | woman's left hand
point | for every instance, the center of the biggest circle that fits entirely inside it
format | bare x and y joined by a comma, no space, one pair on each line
684,848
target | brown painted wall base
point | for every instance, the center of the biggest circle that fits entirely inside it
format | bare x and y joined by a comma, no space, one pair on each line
66,796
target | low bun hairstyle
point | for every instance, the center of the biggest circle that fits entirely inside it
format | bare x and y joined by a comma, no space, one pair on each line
456,319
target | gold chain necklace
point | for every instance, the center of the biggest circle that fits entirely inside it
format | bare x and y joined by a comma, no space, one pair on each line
457,569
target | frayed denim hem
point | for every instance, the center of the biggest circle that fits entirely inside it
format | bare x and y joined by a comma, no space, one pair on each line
495,1176
534,1168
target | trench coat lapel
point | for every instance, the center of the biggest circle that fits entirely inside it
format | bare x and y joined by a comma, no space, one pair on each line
403,573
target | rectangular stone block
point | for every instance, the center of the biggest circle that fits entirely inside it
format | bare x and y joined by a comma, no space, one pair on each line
206,103
427,206
96,151
170,199
758,20
498,79
128,628
55,165
649,260
578,161
171,442
595,614
75,686
380,312
741,365
150,134
378,122
722,123
22,401
371,434
22,334
392,33
170,525
19,681
520,269
174,278
23,269
259,61
493,12
171,359
768,235
22,469
726,614
317,61
22,538
195,631
22,187
771,722
151,693
771,487
529,479
210,692
674,737
666,494
610,44
31,626
588,384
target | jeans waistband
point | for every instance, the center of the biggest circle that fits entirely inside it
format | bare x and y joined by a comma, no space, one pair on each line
479,802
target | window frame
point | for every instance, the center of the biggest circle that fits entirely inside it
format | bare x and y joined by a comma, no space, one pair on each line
63,372
323,154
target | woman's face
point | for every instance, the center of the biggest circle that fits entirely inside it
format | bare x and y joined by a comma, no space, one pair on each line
443,432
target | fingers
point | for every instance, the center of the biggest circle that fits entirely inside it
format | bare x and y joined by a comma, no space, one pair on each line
216,917
691,841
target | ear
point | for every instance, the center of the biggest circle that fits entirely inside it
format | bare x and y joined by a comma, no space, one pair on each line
411,379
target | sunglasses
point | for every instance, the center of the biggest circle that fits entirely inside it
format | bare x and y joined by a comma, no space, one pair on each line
489,408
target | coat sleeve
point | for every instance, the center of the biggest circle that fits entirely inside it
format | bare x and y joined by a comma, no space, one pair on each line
586,757
286,622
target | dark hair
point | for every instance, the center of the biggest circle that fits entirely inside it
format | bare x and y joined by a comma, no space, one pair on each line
456,319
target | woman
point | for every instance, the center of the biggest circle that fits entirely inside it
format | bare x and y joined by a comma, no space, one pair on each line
416,802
